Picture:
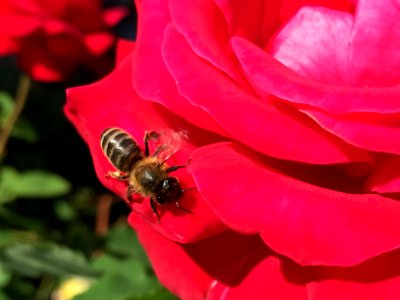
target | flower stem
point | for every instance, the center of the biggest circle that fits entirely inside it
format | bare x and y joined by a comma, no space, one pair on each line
103,214
20,100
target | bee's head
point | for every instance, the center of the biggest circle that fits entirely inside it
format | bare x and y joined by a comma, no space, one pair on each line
167,190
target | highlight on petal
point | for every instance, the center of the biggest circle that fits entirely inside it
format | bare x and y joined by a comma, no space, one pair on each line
307,223
282,133
89,109
374,46
150,76
315,45
270,77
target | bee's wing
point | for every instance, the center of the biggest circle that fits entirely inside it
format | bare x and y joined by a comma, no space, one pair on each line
167,142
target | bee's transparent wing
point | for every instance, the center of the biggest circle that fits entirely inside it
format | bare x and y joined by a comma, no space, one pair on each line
166,142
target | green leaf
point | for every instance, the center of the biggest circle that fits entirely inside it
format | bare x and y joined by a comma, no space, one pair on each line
41,184
8,184
65,211
122,240
157,294
5,276
30,184
22,129
9,237
6,107
35,260
121,278
3,296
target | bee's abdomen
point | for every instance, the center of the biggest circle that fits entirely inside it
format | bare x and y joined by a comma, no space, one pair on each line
120,148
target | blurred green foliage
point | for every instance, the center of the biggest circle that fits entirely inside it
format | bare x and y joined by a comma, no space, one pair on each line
52,224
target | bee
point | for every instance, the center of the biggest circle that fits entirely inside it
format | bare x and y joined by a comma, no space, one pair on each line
146,175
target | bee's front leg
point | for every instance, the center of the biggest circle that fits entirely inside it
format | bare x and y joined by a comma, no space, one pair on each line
153,206
117,175
129,192
149,136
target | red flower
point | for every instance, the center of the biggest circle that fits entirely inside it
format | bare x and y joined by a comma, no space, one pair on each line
52,37
291,112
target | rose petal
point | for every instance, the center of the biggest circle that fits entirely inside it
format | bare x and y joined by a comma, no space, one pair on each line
210,40
8,46
360,131
18,26
113,15
374,47
375,279
315,45
89,109
309,224
124,48
150,76
42,65
248,119
190,271
258,20
98,43
271,77
386,178
266,280
290,7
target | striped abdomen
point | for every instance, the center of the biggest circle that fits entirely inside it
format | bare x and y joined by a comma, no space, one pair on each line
120,149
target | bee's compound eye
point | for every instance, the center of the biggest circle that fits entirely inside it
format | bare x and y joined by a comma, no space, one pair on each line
170,183
169,189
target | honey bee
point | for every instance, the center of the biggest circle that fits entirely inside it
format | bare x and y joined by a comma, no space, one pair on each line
146,175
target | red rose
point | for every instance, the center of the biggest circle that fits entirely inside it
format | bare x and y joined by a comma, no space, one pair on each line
291,110
52,37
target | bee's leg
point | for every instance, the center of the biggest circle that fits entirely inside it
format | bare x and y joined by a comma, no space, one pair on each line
117,175
149,135
129,192
182,208
153,206
174,168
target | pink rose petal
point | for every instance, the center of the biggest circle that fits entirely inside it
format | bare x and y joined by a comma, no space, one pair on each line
307,223
281,133
258,20
271,77
315,44
374,47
